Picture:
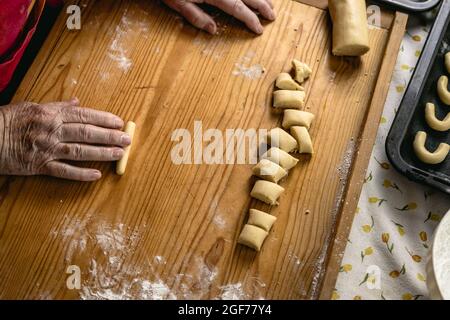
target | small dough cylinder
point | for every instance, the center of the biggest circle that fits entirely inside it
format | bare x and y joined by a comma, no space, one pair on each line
130,128
261,219
267,192
297,118
433,121
426,156
289,99
252,237
280,157
303,138
447,61
285,82
269,171
279,138
302,71
443,92
350,30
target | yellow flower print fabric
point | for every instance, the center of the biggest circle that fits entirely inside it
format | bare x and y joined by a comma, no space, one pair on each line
392,231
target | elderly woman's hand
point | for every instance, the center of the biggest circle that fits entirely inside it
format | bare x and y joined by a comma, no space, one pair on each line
35,137
240,9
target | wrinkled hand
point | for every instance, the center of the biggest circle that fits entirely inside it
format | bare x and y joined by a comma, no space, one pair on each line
35,137
239,9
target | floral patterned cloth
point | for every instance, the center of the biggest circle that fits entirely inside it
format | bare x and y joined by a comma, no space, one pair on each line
391,234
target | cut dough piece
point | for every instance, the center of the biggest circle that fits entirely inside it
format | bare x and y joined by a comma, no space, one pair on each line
280,157
261,219
279,138
350,30
447,61
297,118
252,237
426,156
289,99
285,82
269,171
303,138
302,71
435,123
443,92
267,192
130,128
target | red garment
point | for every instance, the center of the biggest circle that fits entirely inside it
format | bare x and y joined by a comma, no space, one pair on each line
16,30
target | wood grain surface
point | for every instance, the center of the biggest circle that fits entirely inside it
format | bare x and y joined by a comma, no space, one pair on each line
169,231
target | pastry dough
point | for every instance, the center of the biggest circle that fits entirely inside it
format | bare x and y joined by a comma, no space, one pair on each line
269,171
279,138
285,82
130,128
435,123
280,157
289,99
350,30
447,61
443,92
252,237
261,219
267,192
297,118
302,71
303,138
426,156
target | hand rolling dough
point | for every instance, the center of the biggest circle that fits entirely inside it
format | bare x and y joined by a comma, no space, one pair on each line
269,171
261,219
285,82
302,71
297,118
289,99
426,156
303,138
280,157
130,128
267,192
279,138
350,30
252,237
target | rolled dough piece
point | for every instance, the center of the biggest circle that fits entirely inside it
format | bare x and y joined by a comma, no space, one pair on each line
269,171
130,128
302,71
280,157
350,30
289,99
267,192
447,61
279,138
426,156
252,237
303,138
261,219
443,92
285,82
433,121
297,118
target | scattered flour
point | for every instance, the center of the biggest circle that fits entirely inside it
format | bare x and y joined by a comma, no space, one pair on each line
219,221
232,292
243,67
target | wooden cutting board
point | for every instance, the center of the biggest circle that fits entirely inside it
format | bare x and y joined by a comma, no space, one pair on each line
165,230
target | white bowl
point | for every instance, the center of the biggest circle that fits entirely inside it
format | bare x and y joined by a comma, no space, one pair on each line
438,265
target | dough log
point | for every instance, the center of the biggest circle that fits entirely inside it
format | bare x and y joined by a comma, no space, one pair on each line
350,31
269,171
285,82
433,121
252,237
297,118
443,92
302,71
280,157
303,138
426,156
267,192
289,99
130,128
261,219
279,138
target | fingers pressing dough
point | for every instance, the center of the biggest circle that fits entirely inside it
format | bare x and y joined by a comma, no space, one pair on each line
285,82
302,71
269,171
252,237
303,138
279,138
426,156
433,121
130,128
280,157
350,31
297,118
267,192
261,219
443,92
285,99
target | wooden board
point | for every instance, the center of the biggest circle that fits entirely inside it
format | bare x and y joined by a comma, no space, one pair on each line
165,230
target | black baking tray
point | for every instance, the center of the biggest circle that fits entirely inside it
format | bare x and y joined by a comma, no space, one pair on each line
410,116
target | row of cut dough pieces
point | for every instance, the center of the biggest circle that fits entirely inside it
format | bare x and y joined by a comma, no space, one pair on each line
276,162
441,153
